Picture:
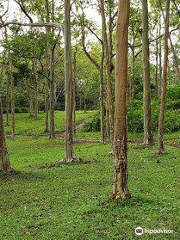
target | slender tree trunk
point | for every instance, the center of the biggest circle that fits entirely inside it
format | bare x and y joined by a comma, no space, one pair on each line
12,96
36,88
7,101
120,186
156,76
68,84
160,56
31,101
46,103
52,89
74,91
130,83
101,98
5,165
148,136
108,73
164,83
107,123
110,33
133,74
52,97
46,90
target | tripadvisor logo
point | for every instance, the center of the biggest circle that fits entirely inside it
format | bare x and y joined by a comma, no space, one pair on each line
139,231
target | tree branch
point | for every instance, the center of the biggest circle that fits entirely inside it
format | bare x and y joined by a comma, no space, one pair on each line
51,24
23,9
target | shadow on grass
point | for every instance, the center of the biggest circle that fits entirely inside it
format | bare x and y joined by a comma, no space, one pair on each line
18,175
124,203
141,147
63,164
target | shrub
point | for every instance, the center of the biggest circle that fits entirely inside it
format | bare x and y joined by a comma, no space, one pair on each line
135,117
93,124
173,92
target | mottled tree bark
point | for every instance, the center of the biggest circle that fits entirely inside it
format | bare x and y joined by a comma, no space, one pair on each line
36,89
148,136
120,186
164,83
46,103
7,101
31,100
52,89
101,98
68,84
5,165
46,90
74,90
110,100
12,96
133,74
52,97
160,56
130,83
156,76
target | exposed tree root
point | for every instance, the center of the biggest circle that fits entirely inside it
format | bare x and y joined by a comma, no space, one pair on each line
117,196
8,170
160,153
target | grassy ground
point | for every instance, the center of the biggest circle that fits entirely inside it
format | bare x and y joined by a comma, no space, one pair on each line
49,201
26,125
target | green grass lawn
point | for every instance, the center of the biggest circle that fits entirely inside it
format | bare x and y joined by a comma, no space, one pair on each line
28,125
49,201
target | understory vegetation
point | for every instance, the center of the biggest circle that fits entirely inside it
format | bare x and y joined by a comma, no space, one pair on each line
135,114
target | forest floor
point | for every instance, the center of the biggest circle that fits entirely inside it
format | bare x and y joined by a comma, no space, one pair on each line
51,201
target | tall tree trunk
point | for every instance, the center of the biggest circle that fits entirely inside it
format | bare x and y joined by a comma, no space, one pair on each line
107,122
110,33
46,103
5,165
31,100
101,98
164,83
7,101
133,74
148,136
108,73
52,97
36,89
156,76
68,84
130,83
120,186
46,90
12,96
52,90
74,91
160,56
